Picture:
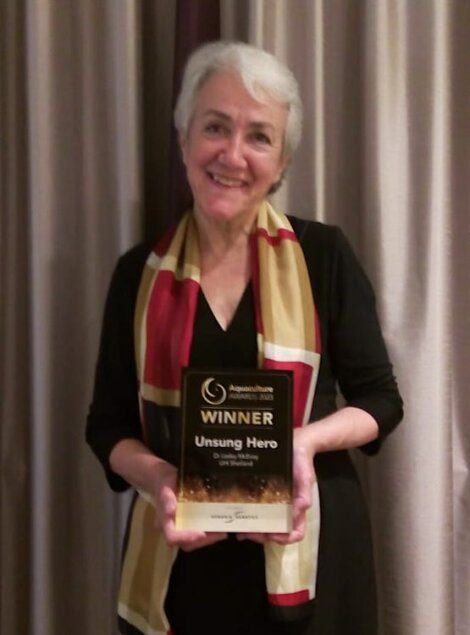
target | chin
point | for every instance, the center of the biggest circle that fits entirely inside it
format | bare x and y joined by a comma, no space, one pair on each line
224,213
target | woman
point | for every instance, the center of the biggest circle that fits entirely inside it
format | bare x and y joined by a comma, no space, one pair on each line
238,285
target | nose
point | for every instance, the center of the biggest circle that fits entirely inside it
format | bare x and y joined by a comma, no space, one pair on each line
233,152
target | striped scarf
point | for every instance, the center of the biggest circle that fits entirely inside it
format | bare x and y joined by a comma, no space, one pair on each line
287,339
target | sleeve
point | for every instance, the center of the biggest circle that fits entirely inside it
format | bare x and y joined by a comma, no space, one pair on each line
359,357
114,411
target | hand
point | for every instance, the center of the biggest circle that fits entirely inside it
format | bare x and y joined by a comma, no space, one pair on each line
165,510
303,480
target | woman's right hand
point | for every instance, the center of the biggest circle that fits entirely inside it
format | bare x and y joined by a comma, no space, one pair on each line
165,511
148,473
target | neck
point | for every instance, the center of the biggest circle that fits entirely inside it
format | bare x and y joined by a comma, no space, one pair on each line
221,240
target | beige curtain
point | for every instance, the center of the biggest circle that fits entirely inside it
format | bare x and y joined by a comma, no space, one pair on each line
385,154
71,201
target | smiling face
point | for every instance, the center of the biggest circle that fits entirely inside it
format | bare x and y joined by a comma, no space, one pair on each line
233,150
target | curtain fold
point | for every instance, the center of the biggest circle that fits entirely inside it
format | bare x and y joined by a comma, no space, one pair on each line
196,22
71,202
86,93
459,342
15,409
170,31
409,203
84,209
157,68
385,93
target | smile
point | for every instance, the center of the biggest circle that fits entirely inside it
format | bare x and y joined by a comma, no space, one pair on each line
226,181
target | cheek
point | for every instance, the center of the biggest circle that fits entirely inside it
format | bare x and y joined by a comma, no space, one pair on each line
197,158
272,173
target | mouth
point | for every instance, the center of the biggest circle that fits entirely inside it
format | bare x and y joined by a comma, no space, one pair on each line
226,181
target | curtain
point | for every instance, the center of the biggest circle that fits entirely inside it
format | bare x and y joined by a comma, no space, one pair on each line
81,183
170,32
86,91
71,201
385,155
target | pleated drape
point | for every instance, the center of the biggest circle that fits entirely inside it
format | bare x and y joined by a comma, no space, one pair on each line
385,155
71,135
15,307
85,109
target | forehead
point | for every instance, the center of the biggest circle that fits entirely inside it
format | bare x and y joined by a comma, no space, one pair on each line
225,92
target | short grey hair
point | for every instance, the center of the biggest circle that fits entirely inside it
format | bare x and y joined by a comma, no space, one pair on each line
262,74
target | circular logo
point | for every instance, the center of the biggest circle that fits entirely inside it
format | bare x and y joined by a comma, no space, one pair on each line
212,392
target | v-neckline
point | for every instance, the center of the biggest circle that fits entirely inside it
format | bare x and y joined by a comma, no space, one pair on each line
236,312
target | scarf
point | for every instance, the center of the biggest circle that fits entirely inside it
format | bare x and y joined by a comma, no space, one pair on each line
287,339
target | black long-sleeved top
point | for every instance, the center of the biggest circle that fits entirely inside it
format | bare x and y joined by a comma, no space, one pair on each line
354,358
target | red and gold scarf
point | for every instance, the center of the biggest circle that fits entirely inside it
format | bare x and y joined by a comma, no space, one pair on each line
288,338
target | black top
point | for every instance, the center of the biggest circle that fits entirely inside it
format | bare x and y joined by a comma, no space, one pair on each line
209,591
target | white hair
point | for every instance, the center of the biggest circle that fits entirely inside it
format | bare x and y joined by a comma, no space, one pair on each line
261,73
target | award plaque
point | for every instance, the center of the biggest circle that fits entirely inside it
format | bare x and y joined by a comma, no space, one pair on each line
236,455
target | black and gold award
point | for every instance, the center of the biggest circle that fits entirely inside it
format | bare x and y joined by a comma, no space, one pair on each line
236,457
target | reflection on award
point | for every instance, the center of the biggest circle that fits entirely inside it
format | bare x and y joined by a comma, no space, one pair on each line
236,457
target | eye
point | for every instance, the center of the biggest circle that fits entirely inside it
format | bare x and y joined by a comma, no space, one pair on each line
215,128
261,138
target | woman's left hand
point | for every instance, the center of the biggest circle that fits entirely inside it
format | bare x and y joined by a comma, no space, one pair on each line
303,480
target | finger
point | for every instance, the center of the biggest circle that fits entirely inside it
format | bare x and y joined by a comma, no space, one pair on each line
282,539
189,540
168,498
300,505
209,539
299,519
298,530
296,535
165,507
302,498
185,539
